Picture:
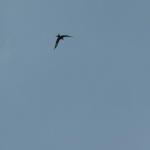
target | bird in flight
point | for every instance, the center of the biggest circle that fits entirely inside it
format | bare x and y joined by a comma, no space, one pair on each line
60,37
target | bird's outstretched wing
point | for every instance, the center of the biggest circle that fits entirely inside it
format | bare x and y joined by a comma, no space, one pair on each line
57,41
66,36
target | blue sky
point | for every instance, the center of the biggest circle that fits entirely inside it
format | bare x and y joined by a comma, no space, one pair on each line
92,92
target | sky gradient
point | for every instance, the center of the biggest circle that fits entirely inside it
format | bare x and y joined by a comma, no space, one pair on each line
92,92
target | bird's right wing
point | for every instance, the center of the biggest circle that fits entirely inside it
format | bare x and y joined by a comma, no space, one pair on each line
66,36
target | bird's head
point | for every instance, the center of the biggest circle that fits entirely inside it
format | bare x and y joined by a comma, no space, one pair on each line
58,35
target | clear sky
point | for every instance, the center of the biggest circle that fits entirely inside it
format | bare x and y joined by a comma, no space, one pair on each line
92,92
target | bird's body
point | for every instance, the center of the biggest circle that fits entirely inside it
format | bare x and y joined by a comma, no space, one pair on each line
60,37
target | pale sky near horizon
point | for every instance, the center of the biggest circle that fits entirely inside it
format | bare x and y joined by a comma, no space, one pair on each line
92,92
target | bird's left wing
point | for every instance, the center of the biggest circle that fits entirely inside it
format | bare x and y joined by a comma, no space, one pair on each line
57,41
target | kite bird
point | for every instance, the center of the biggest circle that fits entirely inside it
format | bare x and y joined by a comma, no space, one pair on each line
60,37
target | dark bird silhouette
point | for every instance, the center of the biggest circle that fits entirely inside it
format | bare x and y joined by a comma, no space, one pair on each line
60,37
